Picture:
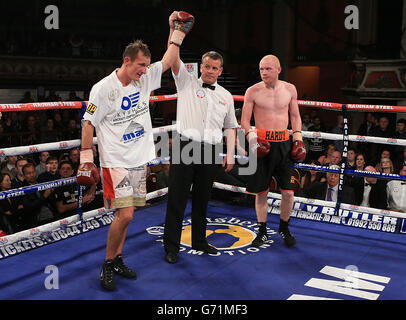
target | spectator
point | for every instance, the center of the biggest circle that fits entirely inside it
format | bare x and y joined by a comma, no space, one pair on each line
339,129
74,157
400,160
335,158
312,176
37,207
306,122
325,159
366,129
72,130
317,146
385,166
370,192
10,209
384,131
18,181
26,98
400,129
66,197
58,124
328,190
400,134
73,96
52,96
41,167
10,166
31,129
48,133
51,170
360,162
368,125
351,153
396,193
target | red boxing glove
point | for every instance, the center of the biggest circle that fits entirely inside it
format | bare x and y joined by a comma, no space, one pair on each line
298,153
182,24
87,174
261,148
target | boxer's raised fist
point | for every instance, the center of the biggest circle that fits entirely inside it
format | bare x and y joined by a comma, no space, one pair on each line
183,23
87,174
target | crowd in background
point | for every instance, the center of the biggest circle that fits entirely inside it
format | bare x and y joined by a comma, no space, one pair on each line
372,157
30,128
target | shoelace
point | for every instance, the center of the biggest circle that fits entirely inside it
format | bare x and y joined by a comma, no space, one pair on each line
285,233
108,272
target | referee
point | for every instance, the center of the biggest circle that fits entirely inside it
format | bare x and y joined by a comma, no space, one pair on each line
204,109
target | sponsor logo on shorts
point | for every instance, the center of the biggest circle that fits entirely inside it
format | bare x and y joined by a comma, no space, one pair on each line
91,108
134,132
230,235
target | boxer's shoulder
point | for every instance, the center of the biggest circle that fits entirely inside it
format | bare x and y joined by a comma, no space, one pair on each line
288,86
255,89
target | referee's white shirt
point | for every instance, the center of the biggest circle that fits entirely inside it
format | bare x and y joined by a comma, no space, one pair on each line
202,113
396,192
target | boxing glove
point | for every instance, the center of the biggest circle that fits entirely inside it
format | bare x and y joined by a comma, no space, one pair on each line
258,146
87,173
298,152
183,24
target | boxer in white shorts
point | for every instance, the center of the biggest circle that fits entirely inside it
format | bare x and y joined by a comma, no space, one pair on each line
118,109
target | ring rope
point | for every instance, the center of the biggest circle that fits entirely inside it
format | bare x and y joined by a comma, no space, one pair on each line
61,145
71,221
322,203
79,104
58,183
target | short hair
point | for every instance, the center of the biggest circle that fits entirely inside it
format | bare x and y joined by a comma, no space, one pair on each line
28,165
402,120
65,162
51,158
21,159
134,47
333,166
215,56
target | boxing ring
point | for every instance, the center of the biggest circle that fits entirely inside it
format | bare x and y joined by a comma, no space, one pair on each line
342,252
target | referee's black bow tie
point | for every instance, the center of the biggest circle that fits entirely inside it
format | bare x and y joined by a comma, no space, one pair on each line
206,85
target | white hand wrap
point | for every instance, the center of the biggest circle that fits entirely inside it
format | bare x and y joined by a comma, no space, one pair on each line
86,155
177,37
297,136
252,134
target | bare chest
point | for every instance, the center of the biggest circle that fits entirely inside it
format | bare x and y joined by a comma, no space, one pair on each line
273,100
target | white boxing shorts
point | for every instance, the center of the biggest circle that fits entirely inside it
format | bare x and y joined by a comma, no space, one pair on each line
123,187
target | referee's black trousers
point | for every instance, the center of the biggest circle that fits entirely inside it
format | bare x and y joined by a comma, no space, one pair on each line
182,176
